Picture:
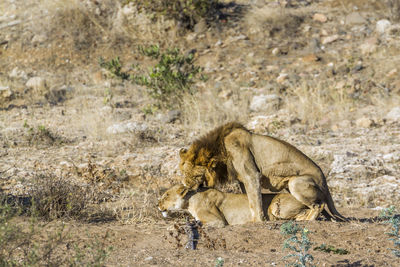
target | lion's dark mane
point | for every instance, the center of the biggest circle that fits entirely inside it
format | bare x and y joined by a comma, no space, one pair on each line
213,141
211,145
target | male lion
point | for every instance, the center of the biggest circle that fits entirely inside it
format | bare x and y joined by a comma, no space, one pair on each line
215,208
232,152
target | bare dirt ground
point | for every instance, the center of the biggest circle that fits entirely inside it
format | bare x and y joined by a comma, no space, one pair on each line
322,75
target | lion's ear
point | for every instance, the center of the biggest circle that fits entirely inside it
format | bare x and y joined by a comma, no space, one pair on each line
212,164
183,191
182,152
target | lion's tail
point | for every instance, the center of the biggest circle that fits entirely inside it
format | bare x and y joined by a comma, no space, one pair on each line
331,210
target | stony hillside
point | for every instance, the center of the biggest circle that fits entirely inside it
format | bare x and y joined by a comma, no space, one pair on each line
320,74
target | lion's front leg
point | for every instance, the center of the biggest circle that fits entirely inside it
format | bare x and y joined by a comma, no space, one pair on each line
253,189
249,175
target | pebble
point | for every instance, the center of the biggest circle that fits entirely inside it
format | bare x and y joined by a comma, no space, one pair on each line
263,102
320,17
330,39
17,73
394,114
5,93
276,51
282,77
225,94
365,122
369,46
355,18
200,26
39,38
37,83
392,73
310,58
126,127
171,116
382,26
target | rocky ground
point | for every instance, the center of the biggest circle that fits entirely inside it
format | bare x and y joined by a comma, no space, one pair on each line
322,75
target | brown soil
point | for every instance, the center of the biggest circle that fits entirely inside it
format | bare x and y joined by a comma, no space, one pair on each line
332,87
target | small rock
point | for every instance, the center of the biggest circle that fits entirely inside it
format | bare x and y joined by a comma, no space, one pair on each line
340,85
148,258
39,38
126,127
324,32
263,102
382,25
282,77
38,84
190,37
392,73
200,26
17,73
225,94
315,45
344,124
320,17
5,93
330,39
271,68
171,117
355,18
394,114
306,28
218,43
276,51
369,46
310,58
365,122
98,77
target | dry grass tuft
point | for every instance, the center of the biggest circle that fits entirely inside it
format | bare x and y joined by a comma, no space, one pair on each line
273,21
205,111
56,197
314,102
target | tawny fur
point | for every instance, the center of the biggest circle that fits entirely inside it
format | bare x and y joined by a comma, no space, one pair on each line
232,152
215,208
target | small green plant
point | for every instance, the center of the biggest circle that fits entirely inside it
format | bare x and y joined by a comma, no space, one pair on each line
168,81
41,135
329,249
114,67
108,96
298,242
389,214
170,78
219,262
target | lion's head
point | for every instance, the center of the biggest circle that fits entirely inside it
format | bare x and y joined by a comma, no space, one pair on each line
205,162
172,199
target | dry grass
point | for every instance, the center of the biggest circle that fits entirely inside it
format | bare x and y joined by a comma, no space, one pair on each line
312,103
205,111
55,197
273,21
316,103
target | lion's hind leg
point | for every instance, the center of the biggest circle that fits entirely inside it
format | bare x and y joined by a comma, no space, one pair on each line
305,190
211,217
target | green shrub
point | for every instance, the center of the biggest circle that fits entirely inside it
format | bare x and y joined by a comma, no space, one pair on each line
186,12
170,78
329,249
393,219
166,82
297,242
